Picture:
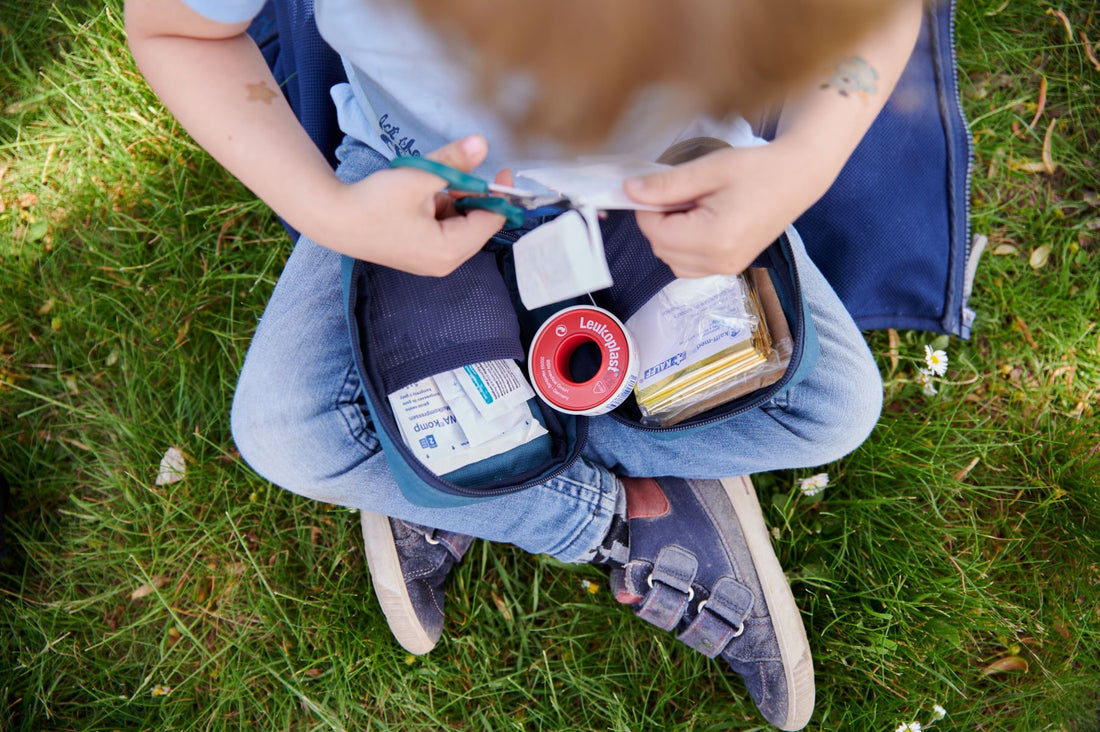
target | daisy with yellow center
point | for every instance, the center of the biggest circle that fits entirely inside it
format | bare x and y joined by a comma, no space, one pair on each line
936,360
814,484
924,380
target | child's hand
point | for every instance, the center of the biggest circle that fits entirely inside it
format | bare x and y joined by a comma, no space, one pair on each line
744,199
401,218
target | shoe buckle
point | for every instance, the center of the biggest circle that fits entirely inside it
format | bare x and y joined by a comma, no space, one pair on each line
691,590
736,633
429,536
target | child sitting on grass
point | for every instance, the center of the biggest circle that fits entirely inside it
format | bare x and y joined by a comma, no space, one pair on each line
476,84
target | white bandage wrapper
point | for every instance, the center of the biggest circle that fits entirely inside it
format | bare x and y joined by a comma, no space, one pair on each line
494,387
477,427
561,259
446,436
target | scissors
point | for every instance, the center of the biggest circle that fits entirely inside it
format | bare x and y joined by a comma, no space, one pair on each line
511,203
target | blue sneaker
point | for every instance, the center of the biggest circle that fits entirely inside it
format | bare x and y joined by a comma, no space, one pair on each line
408,567
701,564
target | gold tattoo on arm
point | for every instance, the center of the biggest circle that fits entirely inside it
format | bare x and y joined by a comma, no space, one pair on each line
853,76
260,93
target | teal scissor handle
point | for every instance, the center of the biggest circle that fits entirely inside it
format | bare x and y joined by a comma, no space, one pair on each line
461,182
514,214
456,179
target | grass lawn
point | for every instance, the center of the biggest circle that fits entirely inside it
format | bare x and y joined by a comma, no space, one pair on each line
953,560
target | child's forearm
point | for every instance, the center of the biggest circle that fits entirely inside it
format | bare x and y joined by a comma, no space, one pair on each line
214,79
823,126
217,84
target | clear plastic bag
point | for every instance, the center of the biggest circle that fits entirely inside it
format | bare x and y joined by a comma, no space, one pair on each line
704,342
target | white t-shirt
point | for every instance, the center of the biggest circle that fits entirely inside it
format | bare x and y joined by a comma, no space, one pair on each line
407,95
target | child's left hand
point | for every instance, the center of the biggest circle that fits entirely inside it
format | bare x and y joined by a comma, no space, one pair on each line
744,198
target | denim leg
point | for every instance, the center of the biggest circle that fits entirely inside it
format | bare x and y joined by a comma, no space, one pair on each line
820,420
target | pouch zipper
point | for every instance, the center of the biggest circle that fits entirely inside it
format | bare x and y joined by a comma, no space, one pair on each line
956,314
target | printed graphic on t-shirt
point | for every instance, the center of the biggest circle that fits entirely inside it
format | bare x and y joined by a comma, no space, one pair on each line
391,135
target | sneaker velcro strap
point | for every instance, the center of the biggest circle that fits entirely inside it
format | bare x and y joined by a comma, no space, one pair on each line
721,618
457,544
670,588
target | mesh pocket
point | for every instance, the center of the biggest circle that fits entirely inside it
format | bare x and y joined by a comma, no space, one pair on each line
419,326
637,273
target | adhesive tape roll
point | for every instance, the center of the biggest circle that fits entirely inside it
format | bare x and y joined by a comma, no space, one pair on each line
582,361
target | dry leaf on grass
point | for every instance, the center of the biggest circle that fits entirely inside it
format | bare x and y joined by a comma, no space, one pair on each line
172,468
1029,166
961,475
1065,21
1039,256
1048,161
1006,664
895,348
147,589
1088,50
499,602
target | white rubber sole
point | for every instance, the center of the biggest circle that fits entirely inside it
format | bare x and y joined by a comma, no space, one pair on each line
794,646
389,584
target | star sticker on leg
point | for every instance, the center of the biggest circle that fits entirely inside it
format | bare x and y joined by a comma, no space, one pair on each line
260,92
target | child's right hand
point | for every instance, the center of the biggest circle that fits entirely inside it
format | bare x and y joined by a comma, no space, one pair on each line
402,218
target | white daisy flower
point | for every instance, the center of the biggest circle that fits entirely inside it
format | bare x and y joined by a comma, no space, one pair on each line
936,360
814,484
939,711
924,379
909,727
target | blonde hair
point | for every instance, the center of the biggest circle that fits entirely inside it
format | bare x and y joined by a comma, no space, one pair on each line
591,58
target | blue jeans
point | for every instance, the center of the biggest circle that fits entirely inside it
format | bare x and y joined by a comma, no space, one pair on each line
298,417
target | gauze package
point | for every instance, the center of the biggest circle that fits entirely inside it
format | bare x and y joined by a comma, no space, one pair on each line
561,259
441,423
565,257
494,387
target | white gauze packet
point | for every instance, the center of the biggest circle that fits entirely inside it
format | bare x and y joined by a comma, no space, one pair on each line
494,387
480,428
430,427
561,259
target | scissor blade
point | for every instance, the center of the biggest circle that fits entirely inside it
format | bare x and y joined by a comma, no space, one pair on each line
510,190
526,198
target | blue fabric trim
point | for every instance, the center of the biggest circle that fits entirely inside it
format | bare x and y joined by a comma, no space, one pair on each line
960,158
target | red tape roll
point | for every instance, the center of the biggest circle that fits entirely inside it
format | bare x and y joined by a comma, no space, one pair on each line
559,339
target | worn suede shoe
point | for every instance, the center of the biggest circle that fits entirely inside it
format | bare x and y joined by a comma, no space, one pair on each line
701,565
408,566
